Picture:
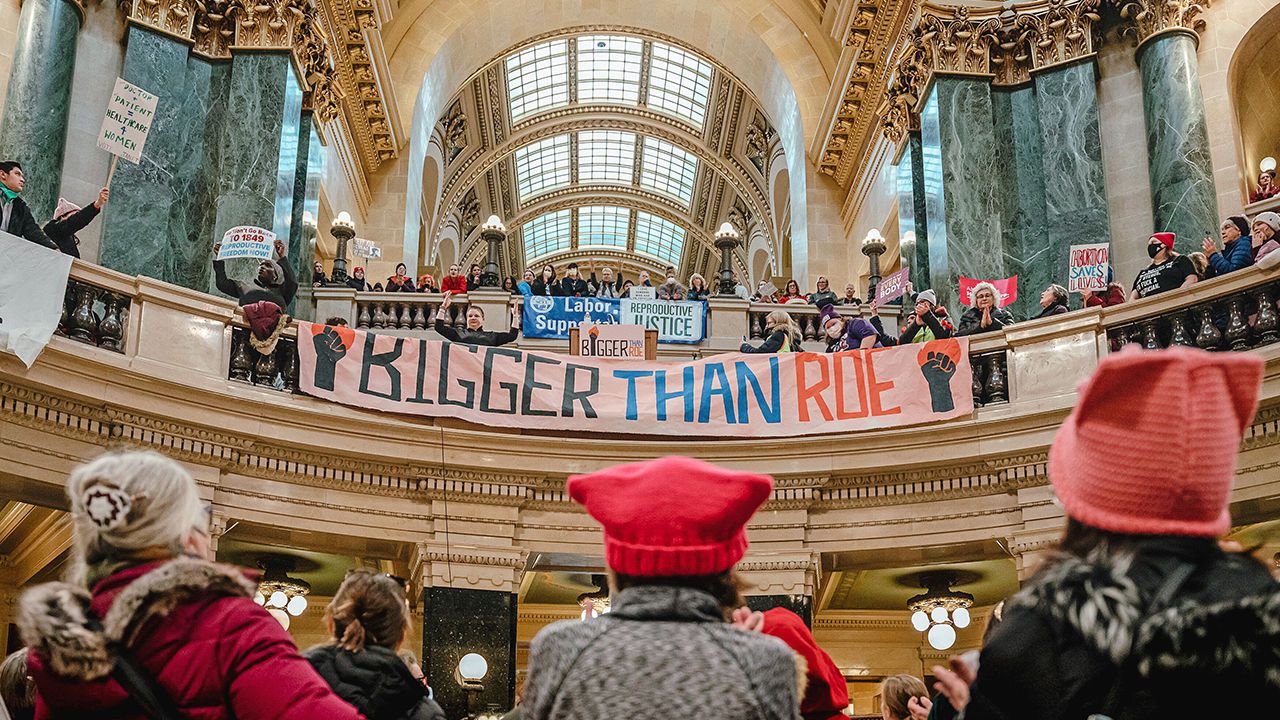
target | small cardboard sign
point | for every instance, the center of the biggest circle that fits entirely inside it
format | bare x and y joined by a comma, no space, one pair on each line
892,287
611,341
1006,290
247,241
642,292
367,249
1088,267
129,117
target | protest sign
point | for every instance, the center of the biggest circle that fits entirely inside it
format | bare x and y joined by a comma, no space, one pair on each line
892,287
1088,267
1006,290
611,341
247,241
643,292
367,249
677,321
551,317
130,114
735,395
33,280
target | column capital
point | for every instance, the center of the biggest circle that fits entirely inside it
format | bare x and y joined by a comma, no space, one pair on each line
1146,19
469,567
1058,33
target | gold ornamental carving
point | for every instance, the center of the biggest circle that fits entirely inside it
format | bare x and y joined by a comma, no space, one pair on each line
1145,19
1061,33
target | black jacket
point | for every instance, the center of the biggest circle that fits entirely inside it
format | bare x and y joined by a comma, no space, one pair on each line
822,298
1056,653
476,337
359,285
595,286
930,319
541,287
23,224
1054,309
773,343
374,681
63,232
971,321
574,287
250,293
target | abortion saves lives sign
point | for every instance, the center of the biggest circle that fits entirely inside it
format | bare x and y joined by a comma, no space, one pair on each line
1088,269
738,395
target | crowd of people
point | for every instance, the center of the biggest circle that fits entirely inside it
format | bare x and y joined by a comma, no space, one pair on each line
1143,604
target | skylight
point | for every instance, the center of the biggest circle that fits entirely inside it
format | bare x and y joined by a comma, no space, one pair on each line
542,166
667,169
538,78
547,234
606,156
603,225
679,83
659,238
609,69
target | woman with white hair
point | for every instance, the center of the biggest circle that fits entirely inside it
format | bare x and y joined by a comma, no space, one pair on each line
147,625
985,314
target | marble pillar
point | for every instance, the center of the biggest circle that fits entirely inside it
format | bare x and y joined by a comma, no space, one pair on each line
1183,197
963,198
257,172
1028,250
913,248
160,217
457,621
308,174
34,130
801,605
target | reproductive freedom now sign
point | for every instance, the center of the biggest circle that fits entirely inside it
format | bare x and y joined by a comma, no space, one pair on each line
738,395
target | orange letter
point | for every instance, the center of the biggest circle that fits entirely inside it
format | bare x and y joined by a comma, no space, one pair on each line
878,387
803,393
859,381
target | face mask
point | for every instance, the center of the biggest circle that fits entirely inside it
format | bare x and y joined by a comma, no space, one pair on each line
671,279
833,331
1154,250
546,274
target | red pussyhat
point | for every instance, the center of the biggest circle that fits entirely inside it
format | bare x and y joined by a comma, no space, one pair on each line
1165,237
674,516
1151,447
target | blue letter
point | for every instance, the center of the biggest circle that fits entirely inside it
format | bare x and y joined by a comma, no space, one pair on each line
743,371
661,395
710,372
630,376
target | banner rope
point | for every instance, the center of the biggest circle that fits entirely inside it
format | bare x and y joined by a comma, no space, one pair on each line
444,487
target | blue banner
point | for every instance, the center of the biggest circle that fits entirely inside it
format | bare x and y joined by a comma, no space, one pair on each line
681,321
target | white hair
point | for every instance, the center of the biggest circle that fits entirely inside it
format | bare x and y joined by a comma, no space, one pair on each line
984,285
124,502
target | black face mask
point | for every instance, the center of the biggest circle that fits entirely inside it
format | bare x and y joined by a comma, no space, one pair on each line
1154,250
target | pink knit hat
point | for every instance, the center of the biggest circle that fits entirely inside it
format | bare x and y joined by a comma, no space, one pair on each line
1151,446
673,516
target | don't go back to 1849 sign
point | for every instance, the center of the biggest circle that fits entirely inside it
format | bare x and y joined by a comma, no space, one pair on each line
728,395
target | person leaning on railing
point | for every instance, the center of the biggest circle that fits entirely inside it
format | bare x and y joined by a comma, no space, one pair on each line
1168,270
1053,301
275,281
608,286
782,334
851,333
1236,253
823,296
698,289
15,216
928,322
357,282
671,289
401,281
1265,228
474,333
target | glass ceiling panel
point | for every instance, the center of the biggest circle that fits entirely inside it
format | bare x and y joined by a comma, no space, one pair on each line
606,156
679,83
547,234
659,238
542,166
609,69
668,169
538,78
603,225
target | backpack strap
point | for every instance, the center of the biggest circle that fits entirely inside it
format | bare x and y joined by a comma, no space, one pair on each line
143,690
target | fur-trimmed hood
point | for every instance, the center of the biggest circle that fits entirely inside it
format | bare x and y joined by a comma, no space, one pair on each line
1203,638
66,626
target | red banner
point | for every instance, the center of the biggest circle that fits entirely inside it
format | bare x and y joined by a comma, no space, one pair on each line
733,395
1006,290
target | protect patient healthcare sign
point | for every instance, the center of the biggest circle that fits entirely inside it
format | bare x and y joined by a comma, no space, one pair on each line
129,117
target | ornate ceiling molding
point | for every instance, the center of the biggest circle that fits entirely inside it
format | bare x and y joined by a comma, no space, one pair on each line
354,26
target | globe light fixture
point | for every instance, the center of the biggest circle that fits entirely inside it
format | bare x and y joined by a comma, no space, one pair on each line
343,230
282,595
940,611
727,239
941,636
919,621
473,667
1268,164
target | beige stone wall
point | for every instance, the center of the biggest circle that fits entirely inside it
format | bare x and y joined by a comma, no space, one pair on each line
1124,159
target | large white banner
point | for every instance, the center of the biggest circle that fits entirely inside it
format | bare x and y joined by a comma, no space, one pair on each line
33,283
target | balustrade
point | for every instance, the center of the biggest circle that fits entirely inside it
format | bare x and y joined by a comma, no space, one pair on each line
277,369
94,315
990,377
405,311
1236,320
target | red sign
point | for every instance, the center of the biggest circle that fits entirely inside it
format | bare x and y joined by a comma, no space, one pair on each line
1006,290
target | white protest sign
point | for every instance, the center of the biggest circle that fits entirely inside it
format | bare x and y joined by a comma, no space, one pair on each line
1088,267
610,340
33,280
129,117
643,292
247,241
677,321
367,249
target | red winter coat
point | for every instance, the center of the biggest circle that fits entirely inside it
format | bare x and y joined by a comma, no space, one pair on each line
826,695
190,625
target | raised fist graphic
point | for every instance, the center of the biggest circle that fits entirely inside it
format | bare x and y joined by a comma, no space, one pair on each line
938,367
329,350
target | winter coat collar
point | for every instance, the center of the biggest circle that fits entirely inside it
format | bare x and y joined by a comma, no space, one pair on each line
1099,602
661,602
374,680
78,633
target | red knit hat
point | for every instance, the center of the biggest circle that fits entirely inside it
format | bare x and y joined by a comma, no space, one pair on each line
673,516
826,695
1165,237
1151,446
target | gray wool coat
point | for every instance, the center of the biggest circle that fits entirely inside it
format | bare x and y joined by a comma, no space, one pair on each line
663,653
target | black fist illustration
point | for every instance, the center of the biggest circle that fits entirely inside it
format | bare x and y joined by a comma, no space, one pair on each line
938,367
329,350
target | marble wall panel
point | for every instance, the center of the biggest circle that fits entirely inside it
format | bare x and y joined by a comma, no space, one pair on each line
309,175
1027,250
914,253
457,621
1183,195
158,221
34,129
801,605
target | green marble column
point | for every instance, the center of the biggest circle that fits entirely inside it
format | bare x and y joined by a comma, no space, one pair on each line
963,199
911,208
1028,250
34,130
160,217
308,174
259,151
1183,197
